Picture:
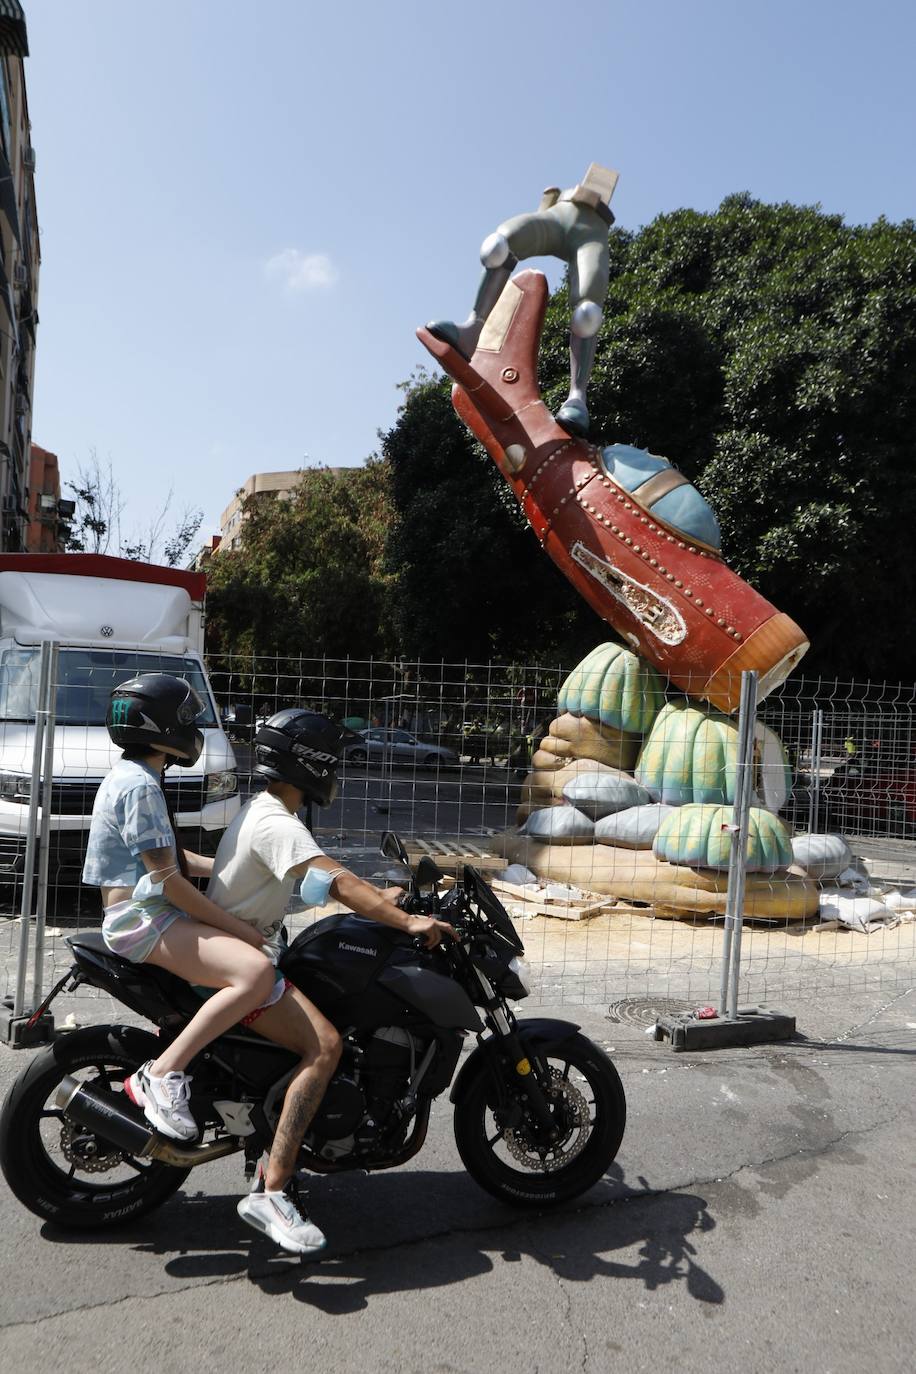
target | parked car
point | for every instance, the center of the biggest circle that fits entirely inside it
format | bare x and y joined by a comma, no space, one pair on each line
397,747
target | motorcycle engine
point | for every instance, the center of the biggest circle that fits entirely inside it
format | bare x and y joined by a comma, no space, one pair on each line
355,1108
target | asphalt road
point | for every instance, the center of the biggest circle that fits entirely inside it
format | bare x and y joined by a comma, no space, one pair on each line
760,1218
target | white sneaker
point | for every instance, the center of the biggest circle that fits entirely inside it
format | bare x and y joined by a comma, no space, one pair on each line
282,1217
164,1101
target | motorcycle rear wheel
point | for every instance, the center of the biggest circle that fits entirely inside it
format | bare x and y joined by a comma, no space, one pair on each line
510,1167
44,1158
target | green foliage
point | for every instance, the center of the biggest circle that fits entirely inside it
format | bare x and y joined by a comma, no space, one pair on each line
309,577
471,582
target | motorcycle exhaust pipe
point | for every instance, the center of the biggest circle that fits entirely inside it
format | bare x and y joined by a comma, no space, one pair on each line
100,1112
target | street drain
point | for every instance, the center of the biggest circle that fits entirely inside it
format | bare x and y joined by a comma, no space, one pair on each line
645,1011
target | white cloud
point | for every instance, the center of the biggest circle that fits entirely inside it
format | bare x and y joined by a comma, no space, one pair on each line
297,271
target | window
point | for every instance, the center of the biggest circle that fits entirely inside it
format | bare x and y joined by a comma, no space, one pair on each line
87,678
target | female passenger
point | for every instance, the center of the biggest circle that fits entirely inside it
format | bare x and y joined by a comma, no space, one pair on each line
152,913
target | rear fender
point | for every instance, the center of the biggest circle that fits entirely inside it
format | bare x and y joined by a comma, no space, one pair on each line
540,1033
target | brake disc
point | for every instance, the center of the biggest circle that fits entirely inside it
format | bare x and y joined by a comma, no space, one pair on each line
81,1149
578,1131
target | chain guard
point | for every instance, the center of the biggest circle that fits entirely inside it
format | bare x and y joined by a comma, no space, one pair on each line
75,1140
579,1125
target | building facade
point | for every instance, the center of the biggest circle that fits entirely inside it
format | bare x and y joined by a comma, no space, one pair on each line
48,515
264,486
20,258
259,484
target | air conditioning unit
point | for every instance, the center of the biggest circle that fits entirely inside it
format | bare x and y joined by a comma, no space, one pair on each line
20,275
28,159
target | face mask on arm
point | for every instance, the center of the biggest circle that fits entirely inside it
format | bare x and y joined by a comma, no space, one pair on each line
315,888
152,883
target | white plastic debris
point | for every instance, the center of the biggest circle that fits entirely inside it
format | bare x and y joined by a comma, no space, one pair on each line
858,913
518,874
901,901
854,878
562,892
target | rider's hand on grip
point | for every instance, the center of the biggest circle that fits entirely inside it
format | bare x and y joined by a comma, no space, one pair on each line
428,932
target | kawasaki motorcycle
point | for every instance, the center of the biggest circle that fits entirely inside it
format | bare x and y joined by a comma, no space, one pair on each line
539,1110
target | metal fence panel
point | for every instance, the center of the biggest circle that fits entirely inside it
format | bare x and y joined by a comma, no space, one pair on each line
443,753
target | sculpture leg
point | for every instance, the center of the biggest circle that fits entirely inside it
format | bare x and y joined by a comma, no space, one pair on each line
588,282
524,236
498,262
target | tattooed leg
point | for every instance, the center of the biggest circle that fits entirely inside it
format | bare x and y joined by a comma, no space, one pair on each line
296,1023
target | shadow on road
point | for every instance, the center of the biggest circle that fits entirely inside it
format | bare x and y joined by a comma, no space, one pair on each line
403,1242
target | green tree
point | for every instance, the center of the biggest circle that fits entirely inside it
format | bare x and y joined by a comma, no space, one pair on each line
770,352
470,581
308,577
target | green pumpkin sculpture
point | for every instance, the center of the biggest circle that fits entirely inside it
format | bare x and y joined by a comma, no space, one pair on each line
615,688
700,837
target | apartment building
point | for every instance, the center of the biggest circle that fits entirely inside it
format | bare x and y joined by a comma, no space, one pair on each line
259,484
20,257
49,515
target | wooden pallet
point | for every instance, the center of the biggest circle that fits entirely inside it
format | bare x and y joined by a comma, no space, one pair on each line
521,901
451,857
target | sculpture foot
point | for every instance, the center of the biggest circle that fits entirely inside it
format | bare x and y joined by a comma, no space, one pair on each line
455,335
573,416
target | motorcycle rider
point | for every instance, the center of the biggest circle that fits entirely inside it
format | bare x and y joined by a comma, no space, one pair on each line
261,855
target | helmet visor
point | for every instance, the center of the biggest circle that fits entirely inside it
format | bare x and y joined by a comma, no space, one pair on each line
191,708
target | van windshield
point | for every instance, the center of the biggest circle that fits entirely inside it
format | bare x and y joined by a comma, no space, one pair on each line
86,679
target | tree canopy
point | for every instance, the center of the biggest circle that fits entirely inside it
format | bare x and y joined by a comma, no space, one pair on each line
309,576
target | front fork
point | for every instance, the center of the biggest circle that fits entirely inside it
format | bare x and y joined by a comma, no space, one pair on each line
524,1078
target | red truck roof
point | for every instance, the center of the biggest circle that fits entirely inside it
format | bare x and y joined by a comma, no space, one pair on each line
102,565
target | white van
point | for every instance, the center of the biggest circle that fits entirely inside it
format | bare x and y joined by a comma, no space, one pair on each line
112,619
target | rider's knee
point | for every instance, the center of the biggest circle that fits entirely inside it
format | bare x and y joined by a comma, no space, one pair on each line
259,975
586,319
330,1046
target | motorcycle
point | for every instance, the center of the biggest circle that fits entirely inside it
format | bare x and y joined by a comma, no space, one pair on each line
539,1110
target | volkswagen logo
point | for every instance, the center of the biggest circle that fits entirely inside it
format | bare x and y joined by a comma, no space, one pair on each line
106,631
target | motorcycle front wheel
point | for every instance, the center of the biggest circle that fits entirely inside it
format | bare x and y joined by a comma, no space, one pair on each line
588,1103
61,1171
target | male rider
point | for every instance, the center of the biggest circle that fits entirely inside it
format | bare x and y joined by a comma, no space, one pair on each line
259,859
571,225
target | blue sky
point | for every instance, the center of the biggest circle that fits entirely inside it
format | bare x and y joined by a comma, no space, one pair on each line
247,209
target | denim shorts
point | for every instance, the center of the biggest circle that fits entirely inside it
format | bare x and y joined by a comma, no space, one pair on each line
132,930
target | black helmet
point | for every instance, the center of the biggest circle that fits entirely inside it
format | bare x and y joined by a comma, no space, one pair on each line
157,711
302,748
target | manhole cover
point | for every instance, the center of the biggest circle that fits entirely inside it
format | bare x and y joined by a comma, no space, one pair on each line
645,1011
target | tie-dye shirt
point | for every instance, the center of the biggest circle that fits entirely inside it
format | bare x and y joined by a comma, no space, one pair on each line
129,817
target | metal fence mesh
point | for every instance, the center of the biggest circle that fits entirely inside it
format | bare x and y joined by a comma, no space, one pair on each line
450,756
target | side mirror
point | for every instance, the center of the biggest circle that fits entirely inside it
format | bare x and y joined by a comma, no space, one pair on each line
392,848
428,872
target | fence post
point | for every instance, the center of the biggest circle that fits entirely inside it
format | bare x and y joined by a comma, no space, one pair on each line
814,769
44,837
737,863
734,897
751,1025
14,1027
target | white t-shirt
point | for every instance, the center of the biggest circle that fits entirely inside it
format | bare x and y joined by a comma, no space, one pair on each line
252,875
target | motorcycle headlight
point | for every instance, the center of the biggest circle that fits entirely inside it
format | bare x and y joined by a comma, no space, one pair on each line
522,971
15,787
221,785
